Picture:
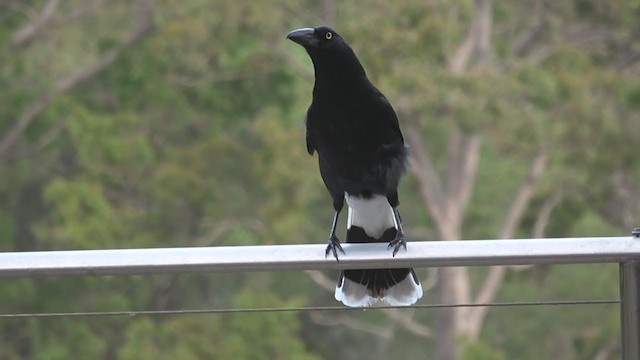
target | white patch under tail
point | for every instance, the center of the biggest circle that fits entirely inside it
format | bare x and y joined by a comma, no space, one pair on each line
373,215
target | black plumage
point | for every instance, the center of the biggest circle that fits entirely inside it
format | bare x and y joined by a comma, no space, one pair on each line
361,154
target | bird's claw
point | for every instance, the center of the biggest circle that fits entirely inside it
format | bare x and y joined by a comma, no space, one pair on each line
397,243
333,246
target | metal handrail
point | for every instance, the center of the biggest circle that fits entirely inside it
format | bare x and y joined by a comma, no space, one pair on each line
307,257
622,250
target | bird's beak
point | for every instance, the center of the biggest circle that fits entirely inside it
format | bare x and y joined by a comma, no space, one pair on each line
304,37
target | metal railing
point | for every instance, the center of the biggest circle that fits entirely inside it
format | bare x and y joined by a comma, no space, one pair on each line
622,250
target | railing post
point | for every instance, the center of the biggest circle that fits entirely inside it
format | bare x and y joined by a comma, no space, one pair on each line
630,306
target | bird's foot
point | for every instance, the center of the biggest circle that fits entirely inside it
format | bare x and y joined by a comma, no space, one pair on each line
397,243
333,246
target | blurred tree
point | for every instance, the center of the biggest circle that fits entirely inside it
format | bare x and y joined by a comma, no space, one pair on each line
157,123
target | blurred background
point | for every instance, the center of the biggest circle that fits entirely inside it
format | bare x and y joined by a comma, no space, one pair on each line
157,123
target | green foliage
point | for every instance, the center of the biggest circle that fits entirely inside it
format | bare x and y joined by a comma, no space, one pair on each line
480,351
194,136
253,336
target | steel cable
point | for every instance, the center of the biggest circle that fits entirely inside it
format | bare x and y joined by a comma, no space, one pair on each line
134,313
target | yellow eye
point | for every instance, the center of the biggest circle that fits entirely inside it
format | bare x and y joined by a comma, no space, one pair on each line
328,36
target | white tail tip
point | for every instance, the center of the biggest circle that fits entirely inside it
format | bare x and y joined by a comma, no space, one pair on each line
404,293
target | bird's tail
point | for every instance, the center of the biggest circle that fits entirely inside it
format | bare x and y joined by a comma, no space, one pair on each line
372,220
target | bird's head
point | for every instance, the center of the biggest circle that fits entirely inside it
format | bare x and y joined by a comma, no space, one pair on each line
331,55
317,38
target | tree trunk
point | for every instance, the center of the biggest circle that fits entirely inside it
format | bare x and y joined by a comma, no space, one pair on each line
447,204
450,323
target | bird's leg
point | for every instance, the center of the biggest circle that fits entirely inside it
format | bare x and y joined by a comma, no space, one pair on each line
399,240
333,245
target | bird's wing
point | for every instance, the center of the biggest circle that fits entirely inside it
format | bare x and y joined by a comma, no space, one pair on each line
311,143
388,120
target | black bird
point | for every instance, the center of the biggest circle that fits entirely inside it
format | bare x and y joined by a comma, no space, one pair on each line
362,156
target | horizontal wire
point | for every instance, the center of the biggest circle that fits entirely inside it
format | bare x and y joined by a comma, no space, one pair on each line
297,309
